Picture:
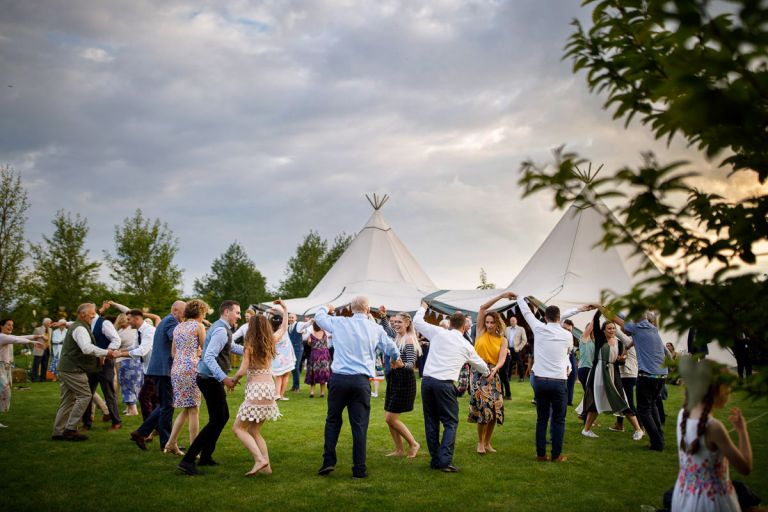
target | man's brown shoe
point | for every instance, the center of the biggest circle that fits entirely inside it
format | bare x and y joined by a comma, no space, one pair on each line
137,438
542,459
560,458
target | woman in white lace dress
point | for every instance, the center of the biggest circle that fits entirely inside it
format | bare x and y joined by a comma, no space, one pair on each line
259,404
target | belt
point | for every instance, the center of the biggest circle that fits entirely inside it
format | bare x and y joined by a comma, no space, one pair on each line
651,375
549,378
439,380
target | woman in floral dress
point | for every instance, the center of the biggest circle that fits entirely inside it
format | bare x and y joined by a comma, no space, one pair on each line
188,338
259,403
486,403
319,363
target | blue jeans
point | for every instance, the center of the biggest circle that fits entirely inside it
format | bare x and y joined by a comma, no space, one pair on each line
439,403
352,392
298,349
551,399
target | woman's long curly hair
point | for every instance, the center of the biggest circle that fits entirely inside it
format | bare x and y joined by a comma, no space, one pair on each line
260,342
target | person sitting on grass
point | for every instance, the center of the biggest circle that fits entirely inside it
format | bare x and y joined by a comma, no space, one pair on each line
259,403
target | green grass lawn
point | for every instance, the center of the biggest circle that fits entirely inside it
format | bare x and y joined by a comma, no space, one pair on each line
108,472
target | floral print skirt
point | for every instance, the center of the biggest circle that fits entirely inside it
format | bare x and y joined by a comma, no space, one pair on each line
486,402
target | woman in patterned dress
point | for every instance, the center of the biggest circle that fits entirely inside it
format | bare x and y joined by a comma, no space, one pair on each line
401,386
188,338
486,404
259,403
129,371
319,363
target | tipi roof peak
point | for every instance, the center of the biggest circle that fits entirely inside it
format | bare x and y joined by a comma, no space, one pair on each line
378,201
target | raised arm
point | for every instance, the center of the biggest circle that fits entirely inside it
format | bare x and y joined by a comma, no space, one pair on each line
119,307
428,330
484,309
323,318
527,313
740,457
283,326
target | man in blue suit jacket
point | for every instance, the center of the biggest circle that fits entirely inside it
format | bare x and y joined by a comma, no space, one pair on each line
160,369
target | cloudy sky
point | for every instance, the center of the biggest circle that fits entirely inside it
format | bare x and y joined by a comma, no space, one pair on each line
258,121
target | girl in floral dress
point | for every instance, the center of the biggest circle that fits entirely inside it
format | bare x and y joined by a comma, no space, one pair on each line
259,403
705,448
188,339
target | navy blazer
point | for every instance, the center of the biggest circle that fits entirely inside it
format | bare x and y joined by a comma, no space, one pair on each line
160,362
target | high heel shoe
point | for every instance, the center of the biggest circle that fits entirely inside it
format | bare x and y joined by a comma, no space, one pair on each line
173,448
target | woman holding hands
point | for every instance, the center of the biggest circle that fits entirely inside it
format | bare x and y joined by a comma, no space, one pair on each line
259,404
486,405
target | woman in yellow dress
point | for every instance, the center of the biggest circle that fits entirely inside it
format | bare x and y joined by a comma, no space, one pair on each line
486,404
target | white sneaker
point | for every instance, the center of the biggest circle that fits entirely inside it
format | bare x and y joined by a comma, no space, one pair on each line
588,433
3,426
638,435
375,395
283,398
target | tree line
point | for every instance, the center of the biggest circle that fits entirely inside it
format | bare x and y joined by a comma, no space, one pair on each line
53,276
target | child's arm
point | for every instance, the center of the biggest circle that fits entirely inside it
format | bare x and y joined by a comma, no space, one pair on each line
740,457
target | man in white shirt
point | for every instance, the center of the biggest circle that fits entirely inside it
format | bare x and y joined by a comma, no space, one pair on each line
449,351
551,368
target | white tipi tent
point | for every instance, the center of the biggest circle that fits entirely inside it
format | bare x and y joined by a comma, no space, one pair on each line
570,269
377,265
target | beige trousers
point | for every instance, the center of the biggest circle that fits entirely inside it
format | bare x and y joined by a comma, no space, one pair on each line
75,397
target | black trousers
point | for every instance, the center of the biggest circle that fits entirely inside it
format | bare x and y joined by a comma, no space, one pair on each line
628,383
218,415
40,366
743,364
148,399
520,361
504,376
439,403
105,378
648,394
352,392
161,418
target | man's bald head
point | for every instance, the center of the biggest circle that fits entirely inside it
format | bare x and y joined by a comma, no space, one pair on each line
177,309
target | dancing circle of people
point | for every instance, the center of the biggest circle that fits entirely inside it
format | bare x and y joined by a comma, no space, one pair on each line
174,362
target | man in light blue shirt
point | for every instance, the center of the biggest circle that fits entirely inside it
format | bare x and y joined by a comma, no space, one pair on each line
651,375
355,340
212,379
